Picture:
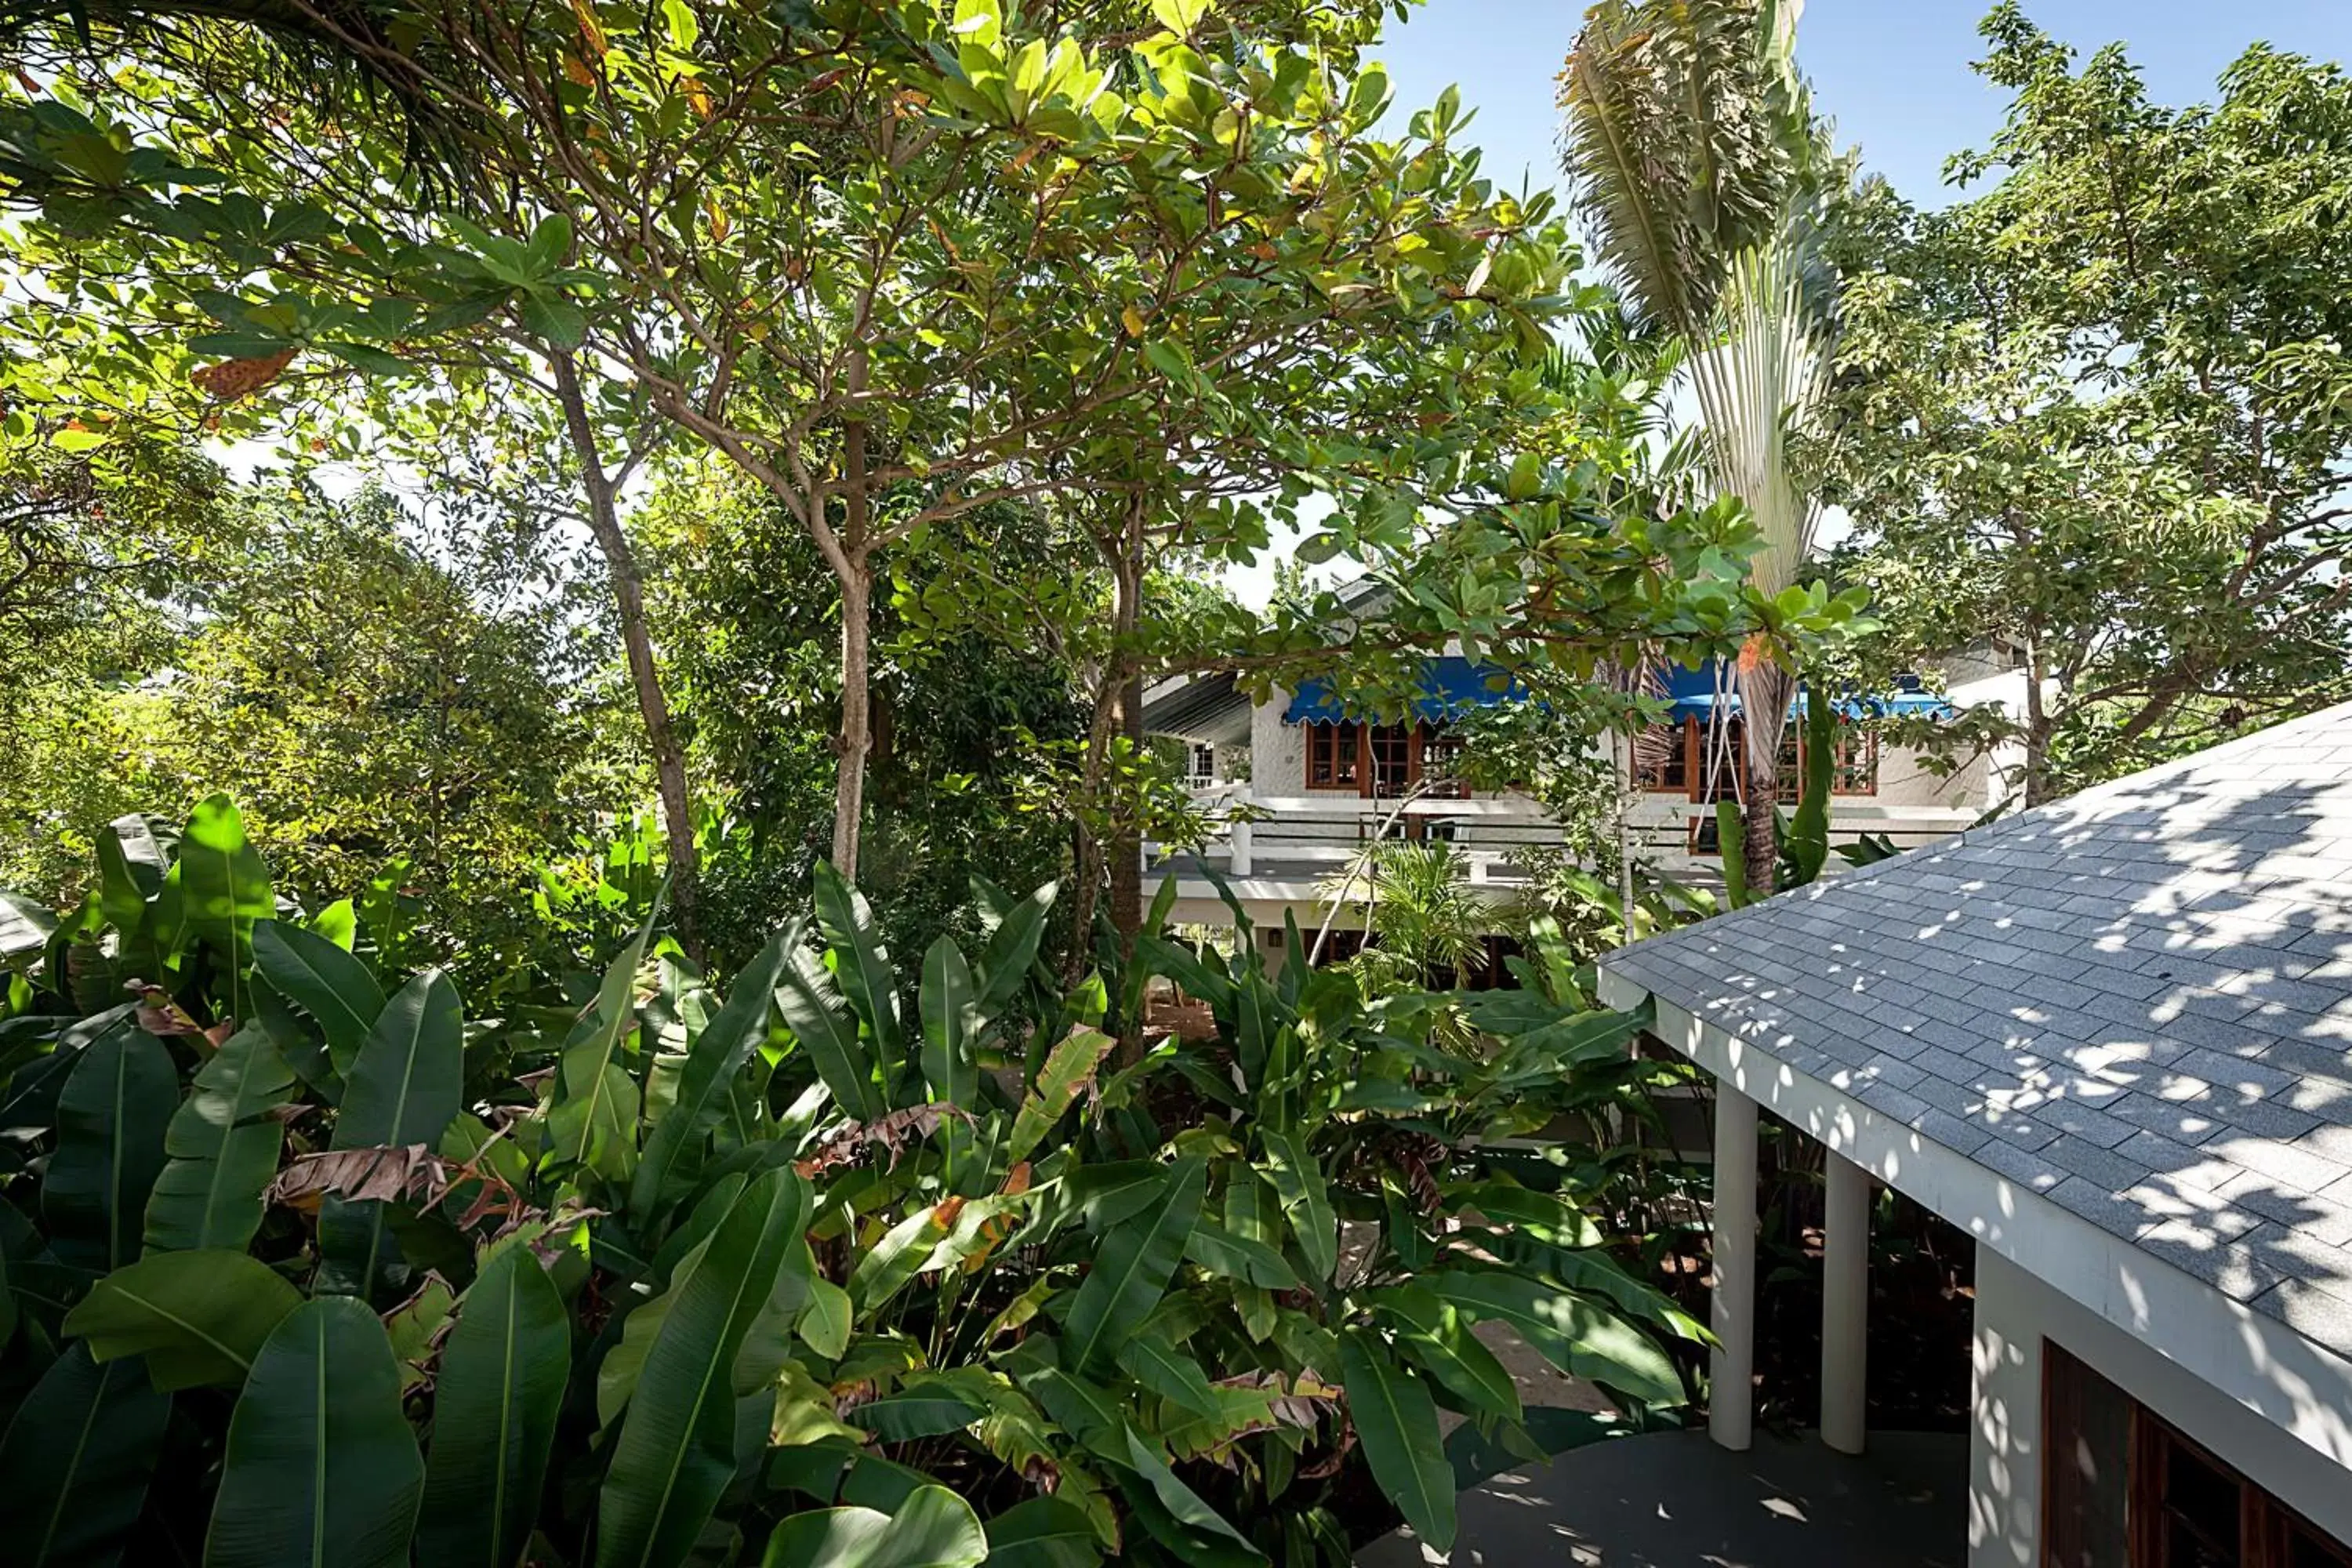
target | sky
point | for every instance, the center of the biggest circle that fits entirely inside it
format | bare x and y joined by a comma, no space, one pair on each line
1893,75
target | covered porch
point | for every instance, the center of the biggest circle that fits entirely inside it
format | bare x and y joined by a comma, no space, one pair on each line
1677,1499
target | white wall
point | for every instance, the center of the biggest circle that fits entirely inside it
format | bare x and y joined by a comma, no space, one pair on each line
2015,1314
2263,1399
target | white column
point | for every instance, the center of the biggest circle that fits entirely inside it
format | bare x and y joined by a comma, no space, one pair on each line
1238,836
1845,1304
2005,1420
1732,1365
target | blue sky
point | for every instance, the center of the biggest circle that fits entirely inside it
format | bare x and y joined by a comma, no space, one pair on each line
1893,74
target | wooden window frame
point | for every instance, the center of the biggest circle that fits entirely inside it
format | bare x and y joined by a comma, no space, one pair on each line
1325,737
1843,765
1657,781
2267,1528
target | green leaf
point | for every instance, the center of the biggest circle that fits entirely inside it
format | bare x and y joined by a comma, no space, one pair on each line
594,1123
111,1116
1168,1372
1546,1216
1306,1202
500,1388
812,1011
1573,1334
1232,1257
1042,1533
553,319
826,1321
922,1411
933,1528
864,968
200,1317
223,1147
1435,1336
223,879
76,1462
1132,1270
1396,1421
1011,950
325,982
406,1086
322,1468
677,1449
24,929
131,867
950,1009
894,1259
715,1060
1069,1066
1180,1500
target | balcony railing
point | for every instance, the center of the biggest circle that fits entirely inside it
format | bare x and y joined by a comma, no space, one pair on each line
1314,839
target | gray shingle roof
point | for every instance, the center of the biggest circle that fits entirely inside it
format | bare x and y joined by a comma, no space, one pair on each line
2136,1002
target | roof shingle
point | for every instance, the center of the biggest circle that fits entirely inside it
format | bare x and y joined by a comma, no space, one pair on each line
2136,1002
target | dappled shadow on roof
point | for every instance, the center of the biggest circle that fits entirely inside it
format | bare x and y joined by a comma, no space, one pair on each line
2137,1003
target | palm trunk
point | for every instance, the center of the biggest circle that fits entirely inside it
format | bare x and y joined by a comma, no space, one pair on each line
1764,689
653,704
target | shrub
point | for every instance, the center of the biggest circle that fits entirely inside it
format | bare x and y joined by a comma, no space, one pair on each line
829,1264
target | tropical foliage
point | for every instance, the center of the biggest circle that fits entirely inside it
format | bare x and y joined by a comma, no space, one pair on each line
815,1263
2098,411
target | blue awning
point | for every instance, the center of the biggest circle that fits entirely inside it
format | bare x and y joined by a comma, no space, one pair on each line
1692,695
1450,687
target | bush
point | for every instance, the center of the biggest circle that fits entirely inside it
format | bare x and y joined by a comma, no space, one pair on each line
818,1266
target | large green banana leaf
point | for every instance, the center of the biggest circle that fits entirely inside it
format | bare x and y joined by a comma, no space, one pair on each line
111,1117
198,1317
714,1063
500,1388
1132,1270
405,1086
1396,1421
75,1461
322,1469
223,1146
676,1453
325,982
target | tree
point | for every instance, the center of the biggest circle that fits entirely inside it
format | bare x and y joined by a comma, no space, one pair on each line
1696,161
873,249
2099,412
961,722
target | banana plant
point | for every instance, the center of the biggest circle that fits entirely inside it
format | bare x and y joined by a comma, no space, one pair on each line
843,1260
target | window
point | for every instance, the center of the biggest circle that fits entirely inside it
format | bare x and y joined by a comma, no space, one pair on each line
1200,769
1853,762
2122,1487
1442,752
1332,756
1395,756
1663,757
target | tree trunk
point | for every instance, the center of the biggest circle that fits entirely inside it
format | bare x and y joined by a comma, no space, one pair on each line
856,715
1764,689
1127,837
2038,726
1087,848
856,641
644,675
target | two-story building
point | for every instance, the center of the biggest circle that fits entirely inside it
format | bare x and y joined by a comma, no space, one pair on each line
1302,782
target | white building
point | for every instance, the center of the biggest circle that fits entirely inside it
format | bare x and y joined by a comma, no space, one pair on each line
1303,785
2111,1038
